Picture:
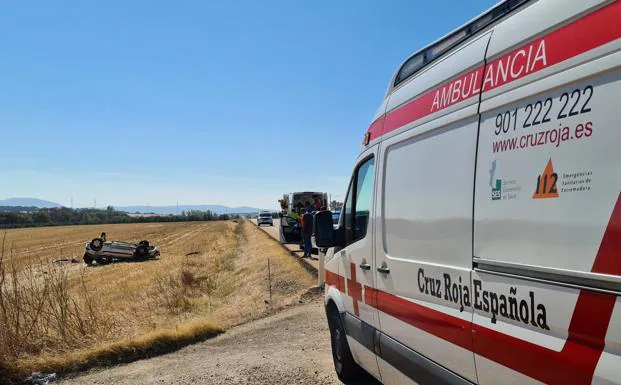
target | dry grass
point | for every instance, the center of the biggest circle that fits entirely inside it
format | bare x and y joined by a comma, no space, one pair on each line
289,279
61,318
147,345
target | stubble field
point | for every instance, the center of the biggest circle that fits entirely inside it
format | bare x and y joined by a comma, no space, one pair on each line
62,317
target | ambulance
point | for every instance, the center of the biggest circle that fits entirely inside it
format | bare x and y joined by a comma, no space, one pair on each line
290,229
480,239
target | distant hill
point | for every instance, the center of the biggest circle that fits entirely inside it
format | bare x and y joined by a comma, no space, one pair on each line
28,202
218,209
18,209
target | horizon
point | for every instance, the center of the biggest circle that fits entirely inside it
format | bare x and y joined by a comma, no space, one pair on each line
130,205
147,103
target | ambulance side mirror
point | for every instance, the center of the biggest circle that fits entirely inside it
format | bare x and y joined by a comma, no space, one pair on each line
325,235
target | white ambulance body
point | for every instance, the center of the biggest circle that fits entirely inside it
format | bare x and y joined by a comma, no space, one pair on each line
289,228
480,240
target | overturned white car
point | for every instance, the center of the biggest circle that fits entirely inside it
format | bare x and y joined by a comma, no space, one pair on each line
101,251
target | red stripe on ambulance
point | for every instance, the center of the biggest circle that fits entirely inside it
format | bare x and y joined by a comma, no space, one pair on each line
447,327
456,91
335,280
556,47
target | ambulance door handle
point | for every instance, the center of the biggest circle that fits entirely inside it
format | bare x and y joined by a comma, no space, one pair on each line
365,266
383,269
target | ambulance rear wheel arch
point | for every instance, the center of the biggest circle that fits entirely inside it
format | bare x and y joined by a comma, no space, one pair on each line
331,308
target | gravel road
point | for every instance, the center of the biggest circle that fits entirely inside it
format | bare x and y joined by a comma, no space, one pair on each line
290,347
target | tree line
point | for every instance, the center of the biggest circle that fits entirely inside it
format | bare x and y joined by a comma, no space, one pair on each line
66,216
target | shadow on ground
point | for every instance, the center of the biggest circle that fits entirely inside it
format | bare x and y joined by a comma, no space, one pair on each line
367,380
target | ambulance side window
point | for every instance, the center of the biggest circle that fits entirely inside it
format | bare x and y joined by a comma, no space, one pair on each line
348,214
358,202
364,197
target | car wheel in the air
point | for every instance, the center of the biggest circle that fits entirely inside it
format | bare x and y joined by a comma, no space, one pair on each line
87,259
142,251
96,244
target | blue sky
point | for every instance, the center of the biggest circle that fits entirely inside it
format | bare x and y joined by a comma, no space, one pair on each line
202,102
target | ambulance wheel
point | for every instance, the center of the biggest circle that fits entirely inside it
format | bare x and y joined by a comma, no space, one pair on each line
346,368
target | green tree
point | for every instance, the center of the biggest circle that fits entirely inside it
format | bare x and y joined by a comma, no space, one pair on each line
41,217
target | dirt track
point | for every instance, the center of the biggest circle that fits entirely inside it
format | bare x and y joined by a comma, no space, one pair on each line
290,347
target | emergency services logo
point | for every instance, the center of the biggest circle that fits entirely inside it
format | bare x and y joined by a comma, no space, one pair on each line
495,184
502,189
550,183
546,183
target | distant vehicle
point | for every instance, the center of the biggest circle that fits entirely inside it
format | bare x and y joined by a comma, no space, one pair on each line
265,218
295,202
103,252
336,214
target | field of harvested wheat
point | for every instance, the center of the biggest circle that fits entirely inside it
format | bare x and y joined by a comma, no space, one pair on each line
65,316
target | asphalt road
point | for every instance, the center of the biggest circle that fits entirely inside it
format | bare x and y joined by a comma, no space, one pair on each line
271,230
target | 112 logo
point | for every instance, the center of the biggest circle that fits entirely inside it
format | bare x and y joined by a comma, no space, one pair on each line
546,183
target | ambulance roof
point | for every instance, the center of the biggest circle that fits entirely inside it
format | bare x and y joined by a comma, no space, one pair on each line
426,55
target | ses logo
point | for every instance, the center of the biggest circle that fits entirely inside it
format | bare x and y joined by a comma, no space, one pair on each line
495,184
502,189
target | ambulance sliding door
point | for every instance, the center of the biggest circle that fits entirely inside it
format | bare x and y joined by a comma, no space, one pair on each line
547,204
424,245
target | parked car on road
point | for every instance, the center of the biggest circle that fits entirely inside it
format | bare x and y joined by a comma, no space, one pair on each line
103,252
336,214
265,218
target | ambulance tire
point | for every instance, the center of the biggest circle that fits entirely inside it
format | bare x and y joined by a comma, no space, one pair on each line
346,368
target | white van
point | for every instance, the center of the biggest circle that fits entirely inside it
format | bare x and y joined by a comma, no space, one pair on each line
292,206
480,241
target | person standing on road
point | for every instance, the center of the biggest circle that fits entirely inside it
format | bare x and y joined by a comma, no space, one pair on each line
317,204
294,216
307,232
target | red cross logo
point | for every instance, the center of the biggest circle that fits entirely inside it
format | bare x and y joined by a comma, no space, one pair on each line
354,289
